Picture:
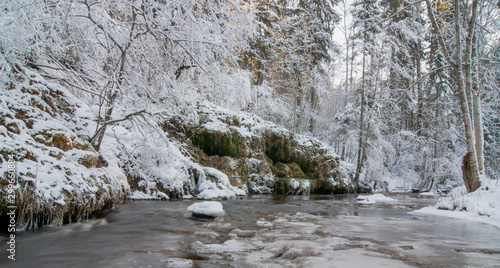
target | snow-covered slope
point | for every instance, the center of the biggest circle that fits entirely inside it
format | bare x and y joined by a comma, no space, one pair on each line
205,152
58,175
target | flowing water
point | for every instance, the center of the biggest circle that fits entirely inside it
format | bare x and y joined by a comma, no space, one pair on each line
263,231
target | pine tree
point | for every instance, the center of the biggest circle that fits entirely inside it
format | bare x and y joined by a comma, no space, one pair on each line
293,39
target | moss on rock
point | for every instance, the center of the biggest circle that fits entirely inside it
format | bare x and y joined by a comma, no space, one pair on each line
248,152
217,143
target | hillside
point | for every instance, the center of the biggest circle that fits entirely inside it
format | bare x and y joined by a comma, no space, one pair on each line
207,153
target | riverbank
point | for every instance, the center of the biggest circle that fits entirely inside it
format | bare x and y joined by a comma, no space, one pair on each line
268,231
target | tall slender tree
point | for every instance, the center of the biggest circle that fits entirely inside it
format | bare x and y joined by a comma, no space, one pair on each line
366,16
462,60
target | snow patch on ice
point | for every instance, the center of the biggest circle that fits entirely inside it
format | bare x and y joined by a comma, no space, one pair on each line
178,263
372,199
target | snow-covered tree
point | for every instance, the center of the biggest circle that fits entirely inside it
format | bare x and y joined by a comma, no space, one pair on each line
463,58
366,16
292,41
134,57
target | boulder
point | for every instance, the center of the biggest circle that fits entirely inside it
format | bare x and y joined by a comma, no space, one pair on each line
206,210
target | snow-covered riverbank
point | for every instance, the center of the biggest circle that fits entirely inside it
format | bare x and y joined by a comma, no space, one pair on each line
266,231
482,205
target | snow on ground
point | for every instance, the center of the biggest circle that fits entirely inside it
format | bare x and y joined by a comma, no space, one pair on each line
178,263
483,205
372,199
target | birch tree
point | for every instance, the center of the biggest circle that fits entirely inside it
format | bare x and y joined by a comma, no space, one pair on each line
463,61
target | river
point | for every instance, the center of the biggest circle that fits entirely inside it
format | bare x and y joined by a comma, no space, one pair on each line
263,231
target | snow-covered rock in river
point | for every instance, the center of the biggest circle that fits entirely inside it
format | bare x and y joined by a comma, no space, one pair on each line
206,210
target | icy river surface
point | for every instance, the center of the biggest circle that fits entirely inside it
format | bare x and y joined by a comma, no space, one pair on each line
263,231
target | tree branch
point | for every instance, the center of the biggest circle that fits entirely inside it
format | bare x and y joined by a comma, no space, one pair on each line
432,17
394,15
420,80
115,121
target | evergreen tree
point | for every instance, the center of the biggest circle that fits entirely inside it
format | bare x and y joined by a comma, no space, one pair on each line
293,40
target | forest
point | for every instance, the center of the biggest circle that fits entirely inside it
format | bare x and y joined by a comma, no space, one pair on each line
405,93
283,133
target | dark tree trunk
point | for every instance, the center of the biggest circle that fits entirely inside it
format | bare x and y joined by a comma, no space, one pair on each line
471,183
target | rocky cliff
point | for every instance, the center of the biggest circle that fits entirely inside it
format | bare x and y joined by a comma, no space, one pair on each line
258,155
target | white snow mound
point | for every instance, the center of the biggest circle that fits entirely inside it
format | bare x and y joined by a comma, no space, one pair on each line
372,199
482,205
210,209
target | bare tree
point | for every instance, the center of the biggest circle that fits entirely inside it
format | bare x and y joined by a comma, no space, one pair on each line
465,22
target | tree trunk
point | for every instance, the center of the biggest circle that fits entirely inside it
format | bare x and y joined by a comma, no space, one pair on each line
314,106
360,145
467,173
99,134
418,124
478,131
470,114
471,174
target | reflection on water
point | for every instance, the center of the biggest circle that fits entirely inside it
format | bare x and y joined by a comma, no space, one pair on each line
156,234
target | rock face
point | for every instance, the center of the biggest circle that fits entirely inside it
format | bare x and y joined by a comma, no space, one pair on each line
259,155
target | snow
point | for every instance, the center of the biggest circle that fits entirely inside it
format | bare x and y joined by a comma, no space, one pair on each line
264,223
372,199
54,173
208,208
221,189
482,205
178,263
299,186
138,195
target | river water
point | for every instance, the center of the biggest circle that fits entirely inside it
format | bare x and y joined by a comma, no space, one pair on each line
263,231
